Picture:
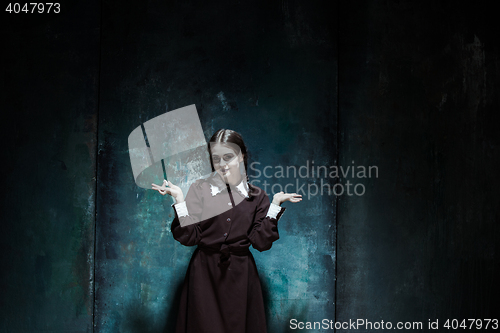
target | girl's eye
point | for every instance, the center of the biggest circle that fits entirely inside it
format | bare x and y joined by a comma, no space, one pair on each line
228,157
216,159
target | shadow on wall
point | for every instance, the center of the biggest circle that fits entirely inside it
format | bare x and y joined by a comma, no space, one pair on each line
174,309
140,319
297,309
266,296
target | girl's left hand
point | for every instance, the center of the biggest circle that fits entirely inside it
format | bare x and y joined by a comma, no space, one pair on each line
281,197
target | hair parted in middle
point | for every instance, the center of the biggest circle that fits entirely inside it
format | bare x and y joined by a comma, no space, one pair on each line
223,136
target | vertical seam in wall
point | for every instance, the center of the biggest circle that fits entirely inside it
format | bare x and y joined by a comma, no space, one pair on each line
337,164
96,172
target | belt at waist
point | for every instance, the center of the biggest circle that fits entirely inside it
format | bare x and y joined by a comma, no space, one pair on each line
242,251
225,253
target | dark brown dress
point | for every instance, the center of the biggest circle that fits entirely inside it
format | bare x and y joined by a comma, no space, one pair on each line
222,291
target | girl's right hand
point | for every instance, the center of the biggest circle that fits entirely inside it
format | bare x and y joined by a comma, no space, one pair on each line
173,190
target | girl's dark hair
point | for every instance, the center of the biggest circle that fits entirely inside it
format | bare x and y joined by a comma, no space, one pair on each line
229,136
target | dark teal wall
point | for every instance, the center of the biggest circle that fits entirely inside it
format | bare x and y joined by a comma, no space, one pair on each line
411,88
277,73
48,142
419,98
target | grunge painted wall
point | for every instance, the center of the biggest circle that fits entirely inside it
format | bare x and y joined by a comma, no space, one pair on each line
259,68
49,118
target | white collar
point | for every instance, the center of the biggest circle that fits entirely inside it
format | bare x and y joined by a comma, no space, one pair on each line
240,187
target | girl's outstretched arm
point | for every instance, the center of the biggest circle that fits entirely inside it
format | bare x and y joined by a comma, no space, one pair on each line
265,227
185,227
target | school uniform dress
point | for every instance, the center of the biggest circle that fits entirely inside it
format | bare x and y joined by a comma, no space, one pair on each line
222,291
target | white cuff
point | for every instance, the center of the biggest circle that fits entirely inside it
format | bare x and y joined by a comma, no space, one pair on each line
181,209
273,211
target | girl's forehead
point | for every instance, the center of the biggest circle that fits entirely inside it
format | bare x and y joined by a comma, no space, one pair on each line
226,148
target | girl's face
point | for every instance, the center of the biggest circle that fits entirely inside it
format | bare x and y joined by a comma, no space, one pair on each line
227,162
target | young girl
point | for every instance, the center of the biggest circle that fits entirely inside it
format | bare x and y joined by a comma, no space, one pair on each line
224,214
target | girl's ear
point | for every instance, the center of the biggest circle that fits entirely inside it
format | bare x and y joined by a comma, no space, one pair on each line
240,157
